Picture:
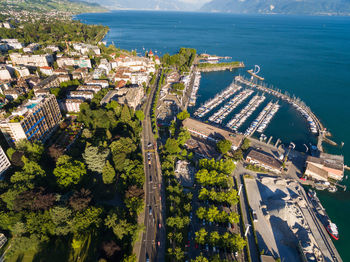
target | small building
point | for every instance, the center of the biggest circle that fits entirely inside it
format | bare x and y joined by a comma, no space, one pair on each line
102,83
50,82
264,160
31,48
332,164
46,70
4,73
130,96
11,94
316,172
85,95
73,105
93,88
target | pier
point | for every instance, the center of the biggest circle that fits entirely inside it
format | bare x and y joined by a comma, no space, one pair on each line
243,115
217,100
223,112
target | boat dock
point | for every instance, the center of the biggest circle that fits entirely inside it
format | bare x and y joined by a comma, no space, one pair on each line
217,100
261,128
246,112
315,124
196,82
223,112
254,125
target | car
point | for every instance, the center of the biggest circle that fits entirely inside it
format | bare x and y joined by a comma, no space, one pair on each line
150,210
229,225
191,215
236,254
188,244
206,247
150,178
160,225
203,222
158,243
149,145
255,217
147,258
196,245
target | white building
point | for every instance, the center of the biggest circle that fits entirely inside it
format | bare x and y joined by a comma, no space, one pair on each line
22,71
46,70
102,83
86,95
31,48
32,60
69,61
12,43
85,48
53,48
73,105
4,162
4,73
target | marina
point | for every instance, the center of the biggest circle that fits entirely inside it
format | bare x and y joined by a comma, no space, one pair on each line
196,82
243,115
314,124
217,100
223,112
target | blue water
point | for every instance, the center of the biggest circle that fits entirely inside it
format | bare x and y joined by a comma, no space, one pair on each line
306,56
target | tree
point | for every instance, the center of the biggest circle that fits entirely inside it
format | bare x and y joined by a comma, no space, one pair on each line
125,115
200,259
33,150
246,144
238,155
201,236
233,218
31,171
95,158
80,199
61,217
214,238
55,152
183,115
108,173
85,219
69,172
171,146
224,146
110,248
34,200
140,115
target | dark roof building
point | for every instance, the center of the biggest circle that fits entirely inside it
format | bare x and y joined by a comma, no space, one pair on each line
264,160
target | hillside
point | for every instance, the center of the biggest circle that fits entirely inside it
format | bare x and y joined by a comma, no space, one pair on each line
151,4
299,7
74,7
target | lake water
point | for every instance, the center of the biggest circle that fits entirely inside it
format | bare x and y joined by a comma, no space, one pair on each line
306,56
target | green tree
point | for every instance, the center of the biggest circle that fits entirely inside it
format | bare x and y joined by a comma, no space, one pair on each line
171,146
246,144
201,236
61,217
95,158
33,150
183,115
140,115
224,146
108,173
68,171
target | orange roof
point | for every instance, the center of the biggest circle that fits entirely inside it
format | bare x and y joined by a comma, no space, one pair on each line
150,52
46,67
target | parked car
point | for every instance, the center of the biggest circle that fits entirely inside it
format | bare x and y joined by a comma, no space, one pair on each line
255,217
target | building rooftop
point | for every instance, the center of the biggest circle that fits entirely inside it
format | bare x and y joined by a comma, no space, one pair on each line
264,158
213,132
319,171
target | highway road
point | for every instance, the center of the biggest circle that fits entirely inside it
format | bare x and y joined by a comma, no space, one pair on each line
153,238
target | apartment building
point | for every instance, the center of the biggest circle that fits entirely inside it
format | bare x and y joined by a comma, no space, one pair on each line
32,60
4,162
34,120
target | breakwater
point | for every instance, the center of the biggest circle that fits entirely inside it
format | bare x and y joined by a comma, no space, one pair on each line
207,67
